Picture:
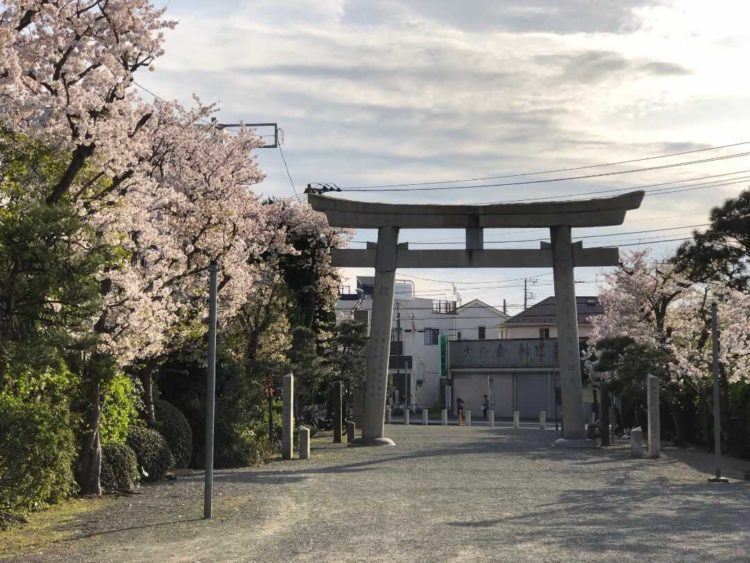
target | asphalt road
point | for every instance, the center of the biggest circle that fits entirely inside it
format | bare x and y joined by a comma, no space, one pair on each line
442,494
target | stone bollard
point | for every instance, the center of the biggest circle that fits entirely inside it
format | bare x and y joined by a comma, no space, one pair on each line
304,442
491,417
542,420
351,430
516,419
468,418
425,417
337,403
407,416
444,417
636,442
287,418
388,414
654,427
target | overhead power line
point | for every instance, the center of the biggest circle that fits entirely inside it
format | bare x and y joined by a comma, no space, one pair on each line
572,169
457,282
289,175
552,180
640,187
580,237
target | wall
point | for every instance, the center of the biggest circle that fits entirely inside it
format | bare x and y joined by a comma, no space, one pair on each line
527,353
473,315
532,331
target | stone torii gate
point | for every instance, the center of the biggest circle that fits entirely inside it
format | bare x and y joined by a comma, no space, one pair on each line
562,255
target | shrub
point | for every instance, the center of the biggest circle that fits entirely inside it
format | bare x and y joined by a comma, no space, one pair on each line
119,467
38,451
176,430
152,452
242,446
118,409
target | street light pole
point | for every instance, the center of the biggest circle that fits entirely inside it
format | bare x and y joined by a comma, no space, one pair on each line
210,394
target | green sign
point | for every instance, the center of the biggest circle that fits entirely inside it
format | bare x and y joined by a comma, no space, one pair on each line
443,355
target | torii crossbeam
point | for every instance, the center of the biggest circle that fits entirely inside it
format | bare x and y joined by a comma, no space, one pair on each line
561,255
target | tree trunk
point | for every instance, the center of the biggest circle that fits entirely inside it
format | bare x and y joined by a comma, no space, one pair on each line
146,376
679,425
90,460
269,392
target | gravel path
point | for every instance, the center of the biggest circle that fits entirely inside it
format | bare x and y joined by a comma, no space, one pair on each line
442,494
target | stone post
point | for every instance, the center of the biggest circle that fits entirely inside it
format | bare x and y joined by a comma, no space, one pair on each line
636,442
654,426
425,417
378,347
287,418
304,442
542,420
604,408
567,339
516,419
407,416
491,416
338,418
388,414
444,417
468,417
351,430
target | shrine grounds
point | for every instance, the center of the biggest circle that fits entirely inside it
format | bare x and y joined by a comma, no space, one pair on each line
442,494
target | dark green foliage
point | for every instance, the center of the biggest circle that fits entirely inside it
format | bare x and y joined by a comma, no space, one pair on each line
48,288
176,430
347,354
309,370
242,441
37,453
119,468
722,252
152,451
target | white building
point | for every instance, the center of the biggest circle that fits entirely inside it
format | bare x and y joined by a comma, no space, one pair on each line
417,328
519,371
540,320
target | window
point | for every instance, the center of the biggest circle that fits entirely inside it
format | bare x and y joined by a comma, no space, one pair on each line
431,336
458,335
482,333
543,333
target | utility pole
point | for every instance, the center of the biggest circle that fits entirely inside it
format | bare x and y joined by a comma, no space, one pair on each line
400,353
505,307
717,400
525,293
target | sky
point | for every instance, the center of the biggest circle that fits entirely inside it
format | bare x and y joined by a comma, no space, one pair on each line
394,92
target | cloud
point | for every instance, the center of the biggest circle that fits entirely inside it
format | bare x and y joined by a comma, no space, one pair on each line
661,68
518,16
596,65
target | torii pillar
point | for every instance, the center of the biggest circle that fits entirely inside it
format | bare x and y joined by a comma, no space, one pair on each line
379,344
569,354
561,255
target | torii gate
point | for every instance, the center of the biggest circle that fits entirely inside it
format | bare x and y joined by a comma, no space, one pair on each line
561,255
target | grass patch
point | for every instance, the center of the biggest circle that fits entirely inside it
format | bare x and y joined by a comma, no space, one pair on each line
52,525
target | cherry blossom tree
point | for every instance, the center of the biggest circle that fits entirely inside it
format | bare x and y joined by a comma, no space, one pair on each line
653,305
66,68
160,192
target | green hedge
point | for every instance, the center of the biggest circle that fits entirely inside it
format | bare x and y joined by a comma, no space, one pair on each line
119,468
152,451
38,451
175,428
